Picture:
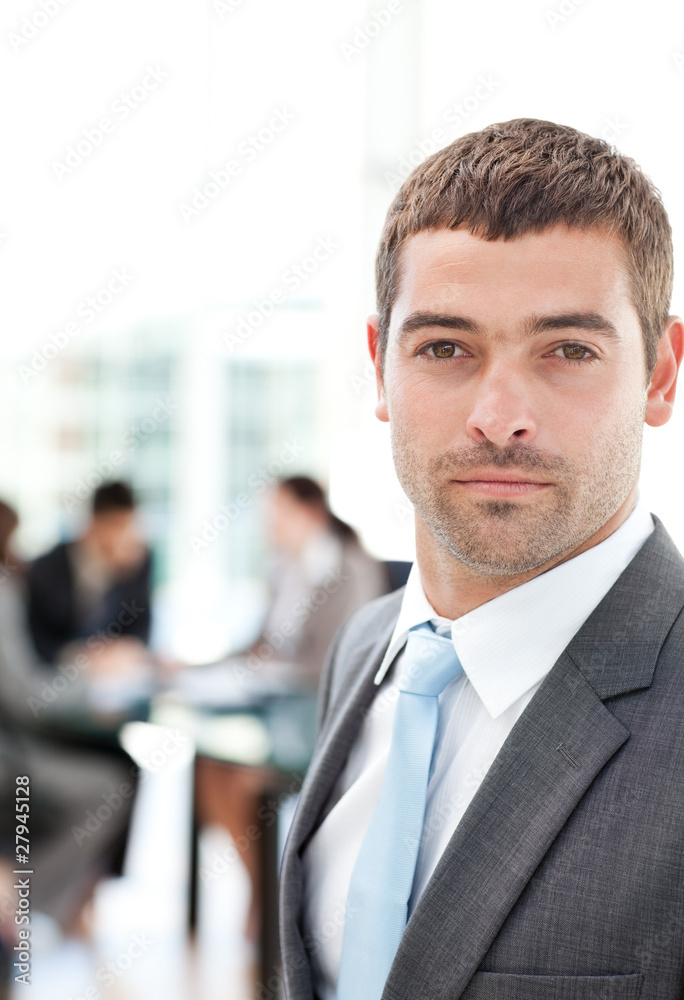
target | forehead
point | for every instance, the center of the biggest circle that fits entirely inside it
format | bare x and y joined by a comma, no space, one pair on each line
114,517
559,268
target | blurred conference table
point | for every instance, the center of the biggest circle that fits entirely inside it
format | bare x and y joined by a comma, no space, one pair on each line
238,714
253,733
231,711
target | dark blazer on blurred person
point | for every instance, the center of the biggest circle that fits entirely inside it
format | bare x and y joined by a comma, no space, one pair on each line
54,615
98,583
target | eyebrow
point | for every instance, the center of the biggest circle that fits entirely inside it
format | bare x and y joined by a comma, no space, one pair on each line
421,320
536,324
575,321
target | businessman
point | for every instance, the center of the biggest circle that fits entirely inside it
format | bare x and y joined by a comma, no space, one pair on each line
495,807
99,582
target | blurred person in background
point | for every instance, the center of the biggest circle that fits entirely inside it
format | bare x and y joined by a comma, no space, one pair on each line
320,575
79,803
99,582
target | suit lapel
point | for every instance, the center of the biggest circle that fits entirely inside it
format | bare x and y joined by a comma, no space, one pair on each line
552,755
350,702
561,742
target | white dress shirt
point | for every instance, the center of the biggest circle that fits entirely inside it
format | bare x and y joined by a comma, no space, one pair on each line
506,647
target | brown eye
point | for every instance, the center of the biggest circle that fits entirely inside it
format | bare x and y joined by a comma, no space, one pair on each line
574,352
443,350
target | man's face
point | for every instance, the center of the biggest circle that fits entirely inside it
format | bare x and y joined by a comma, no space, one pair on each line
115,536
514,381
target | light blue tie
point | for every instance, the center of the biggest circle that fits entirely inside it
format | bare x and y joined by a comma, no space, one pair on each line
382,879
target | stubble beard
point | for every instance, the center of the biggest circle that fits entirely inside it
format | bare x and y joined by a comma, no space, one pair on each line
499,537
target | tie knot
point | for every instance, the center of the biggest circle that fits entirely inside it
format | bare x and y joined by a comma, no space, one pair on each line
429,662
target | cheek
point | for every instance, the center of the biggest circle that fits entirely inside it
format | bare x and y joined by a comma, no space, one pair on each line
592,428
611,401
421,424
424,397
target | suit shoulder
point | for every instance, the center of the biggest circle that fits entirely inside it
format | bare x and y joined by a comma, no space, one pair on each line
373,617
368,628
360,641
55,558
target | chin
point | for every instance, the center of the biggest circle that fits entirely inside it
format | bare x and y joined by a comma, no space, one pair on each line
500,543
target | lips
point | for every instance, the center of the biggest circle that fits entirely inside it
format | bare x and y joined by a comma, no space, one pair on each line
502,483
501,477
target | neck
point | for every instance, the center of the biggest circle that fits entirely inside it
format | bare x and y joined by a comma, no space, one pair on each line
453,589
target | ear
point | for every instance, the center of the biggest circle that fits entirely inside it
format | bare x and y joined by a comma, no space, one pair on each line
374,348
661,391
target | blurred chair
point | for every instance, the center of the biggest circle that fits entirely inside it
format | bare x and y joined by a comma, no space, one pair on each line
397,574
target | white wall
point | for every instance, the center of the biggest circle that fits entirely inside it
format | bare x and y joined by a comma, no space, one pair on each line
221,71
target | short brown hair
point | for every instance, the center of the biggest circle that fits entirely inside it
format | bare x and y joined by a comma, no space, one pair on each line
524,176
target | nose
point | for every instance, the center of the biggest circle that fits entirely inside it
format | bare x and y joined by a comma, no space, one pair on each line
502,410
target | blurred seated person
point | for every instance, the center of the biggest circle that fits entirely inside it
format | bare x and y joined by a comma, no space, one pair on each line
320,575
100,581
68,851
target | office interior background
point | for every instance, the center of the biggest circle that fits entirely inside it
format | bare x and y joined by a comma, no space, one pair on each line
193,191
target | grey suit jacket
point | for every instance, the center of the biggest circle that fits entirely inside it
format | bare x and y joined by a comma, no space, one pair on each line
565,878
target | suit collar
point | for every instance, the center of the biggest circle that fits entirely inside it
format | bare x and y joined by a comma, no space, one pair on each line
618,646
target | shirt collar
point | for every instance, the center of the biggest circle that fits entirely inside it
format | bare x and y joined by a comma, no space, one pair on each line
509,644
